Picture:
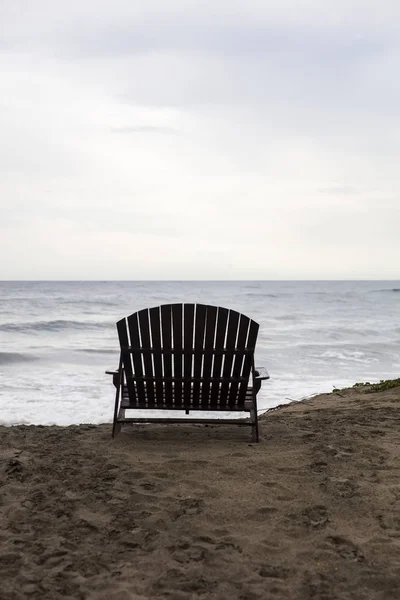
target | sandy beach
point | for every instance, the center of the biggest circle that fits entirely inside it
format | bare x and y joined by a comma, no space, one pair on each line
190,512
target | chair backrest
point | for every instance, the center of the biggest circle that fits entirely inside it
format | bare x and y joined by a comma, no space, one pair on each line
187,356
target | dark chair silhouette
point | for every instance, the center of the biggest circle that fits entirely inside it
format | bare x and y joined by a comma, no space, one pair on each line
187,357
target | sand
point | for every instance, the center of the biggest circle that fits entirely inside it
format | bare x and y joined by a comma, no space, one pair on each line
193,512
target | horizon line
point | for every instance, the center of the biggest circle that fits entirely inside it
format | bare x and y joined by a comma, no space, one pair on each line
184,280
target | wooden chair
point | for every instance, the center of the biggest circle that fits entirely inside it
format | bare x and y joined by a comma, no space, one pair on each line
187,357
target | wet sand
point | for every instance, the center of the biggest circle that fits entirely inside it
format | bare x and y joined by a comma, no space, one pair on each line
194,512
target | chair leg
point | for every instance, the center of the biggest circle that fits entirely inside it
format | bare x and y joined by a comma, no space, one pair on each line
256,430
116,426
118,420
116,429
254,426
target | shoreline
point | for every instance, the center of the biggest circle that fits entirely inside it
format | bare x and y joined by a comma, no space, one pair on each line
199,512
261,411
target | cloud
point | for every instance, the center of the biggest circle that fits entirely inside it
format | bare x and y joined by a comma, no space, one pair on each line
219,140
144,129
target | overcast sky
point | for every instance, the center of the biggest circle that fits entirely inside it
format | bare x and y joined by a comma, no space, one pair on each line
183,139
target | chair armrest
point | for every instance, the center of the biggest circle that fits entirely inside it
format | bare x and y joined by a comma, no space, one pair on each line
116,377
261,373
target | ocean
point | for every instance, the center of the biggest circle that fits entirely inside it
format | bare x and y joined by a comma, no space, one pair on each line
58,338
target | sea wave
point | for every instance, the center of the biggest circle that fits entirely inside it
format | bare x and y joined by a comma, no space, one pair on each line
86,302
388,290
55,325
377,348
8,358
62,300
98,350
287,317
263,295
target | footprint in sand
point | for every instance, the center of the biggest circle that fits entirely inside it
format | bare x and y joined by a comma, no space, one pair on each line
262,514
225,545
274,571
345,452
220,532
134,475
161,474
391,523
334,451
343,487
146,485
309,436
315,516
269,484
187,507
181,584
318,466
377,432
345,548
186,552
228,471
191,506
15,469
94,520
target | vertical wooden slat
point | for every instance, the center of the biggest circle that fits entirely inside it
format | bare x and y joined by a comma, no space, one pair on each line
188,325
176,310
154,314
230,344
166,322
136,356
126,359
144,327
222,321
248,359
239,356
200,323
211,318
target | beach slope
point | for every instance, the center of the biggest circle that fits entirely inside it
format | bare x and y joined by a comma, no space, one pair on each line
194,512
